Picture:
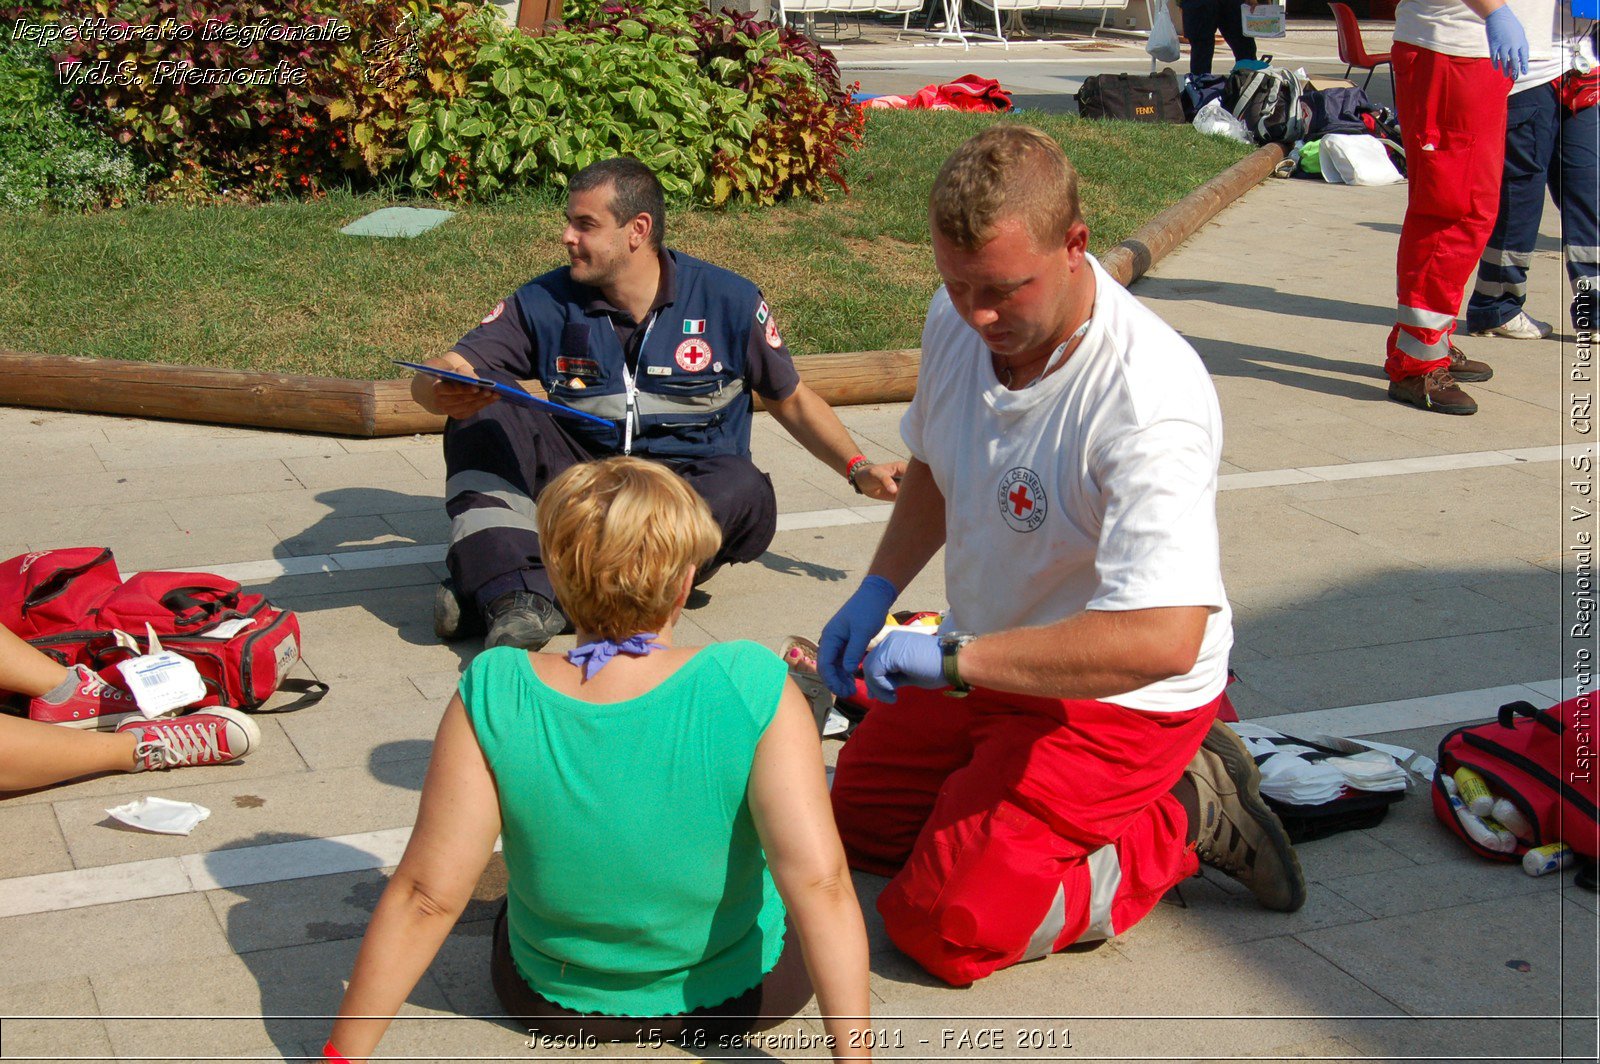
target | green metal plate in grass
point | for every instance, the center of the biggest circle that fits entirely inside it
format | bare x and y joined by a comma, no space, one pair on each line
397,221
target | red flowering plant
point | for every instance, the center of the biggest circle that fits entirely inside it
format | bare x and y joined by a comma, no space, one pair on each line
206,92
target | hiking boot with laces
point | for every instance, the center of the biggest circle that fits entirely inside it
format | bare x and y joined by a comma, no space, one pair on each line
93,703
1435,390
207,737
454,618
1522,326
523,619
1231,825
1468,370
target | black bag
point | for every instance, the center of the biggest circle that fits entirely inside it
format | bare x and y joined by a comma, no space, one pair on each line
1199,90
1335,110
1269,102
1132,97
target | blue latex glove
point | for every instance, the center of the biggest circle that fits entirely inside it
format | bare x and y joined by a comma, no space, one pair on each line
1508,43
845,638
903,658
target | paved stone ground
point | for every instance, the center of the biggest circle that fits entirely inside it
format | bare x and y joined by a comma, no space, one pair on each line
1392,572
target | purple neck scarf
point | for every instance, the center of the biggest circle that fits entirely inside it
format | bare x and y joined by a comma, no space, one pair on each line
592,657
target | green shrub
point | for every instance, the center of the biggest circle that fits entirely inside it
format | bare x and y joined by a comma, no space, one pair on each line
723,108
399,51
538,109
48,156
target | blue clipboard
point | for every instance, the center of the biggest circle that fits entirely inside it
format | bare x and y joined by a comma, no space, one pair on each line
505,391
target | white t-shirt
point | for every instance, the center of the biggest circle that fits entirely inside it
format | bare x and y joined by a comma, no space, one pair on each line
1095,488
1449,26
1570,37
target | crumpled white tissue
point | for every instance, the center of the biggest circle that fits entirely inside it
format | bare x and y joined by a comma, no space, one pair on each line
161,815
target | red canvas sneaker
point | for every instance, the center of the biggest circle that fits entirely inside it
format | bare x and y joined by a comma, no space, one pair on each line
209,737
94,703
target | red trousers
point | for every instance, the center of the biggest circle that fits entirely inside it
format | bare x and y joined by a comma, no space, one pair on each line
1453,123
1014,826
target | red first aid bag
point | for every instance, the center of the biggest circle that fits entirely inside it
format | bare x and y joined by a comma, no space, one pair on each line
1540,760
242,645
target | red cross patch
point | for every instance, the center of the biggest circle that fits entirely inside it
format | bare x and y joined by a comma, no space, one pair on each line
693,355
499,308
1022,499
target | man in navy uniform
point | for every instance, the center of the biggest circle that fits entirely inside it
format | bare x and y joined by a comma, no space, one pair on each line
667,349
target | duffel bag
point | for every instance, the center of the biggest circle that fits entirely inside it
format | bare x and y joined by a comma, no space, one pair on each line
1132,97
1542,763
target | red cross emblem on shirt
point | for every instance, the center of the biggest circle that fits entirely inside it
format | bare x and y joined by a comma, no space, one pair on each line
1022,499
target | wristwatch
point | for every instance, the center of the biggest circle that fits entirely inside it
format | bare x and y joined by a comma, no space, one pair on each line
950,645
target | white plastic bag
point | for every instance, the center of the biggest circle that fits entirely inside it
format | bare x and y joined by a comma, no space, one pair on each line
1264,20
1356,159
1163,42
1215,118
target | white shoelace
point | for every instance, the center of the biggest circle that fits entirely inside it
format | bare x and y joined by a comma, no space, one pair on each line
181,744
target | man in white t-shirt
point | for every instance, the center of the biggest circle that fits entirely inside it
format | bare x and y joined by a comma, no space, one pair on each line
1064,446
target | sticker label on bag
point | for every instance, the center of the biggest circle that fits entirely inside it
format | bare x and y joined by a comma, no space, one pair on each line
227,629
162,682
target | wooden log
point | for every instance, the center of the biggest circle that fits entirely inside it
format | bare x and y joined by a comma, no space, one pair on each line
1152,241
187,393
843,380
384,408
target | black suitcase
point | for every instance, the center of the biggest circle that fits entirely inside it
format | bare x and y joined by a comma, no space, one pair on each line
1132,97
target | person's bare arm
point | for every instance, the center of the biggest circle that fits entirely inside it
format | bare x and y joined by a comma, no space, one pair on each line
1093,654
807,417
789,803
916,529
457,824
449,398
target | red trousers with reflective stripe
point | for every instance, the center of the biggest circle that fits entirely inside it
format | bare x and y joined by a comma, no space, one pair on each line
1453,124
984,809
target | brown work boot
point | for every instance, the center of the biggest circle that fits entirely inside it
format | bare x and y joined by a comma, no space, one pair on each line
1467,370
1435,390
1232,828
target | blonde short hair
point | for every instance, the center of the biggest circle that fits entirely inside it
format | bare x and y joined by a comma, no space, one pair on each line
1008,170
617,537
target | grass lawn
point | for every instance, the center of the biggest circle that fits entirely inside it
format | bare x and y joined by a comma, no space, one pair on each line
276,288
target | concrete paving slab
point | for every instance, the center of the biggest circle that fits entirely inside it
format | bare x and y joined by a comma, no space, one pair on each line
107,939
268,916
1370,620
179,455
31,840
1462,880
338,471
254,812
66,1016
358,724
225,1004
421,526
1385,673
336,534
1467,971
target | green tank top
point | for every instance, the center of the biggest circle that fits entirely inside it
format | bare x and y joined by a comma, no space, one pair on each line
637,883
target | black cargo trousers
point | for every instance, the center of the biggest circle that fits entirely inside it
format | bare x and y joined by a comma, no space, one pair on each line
499,460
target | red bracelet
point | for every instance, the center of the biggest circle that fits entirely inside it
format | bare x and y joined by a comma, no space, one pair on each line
851,466
331,1054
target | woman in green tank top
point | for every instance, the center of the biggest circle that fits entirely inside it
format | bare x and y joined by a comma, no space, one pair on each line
673,865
